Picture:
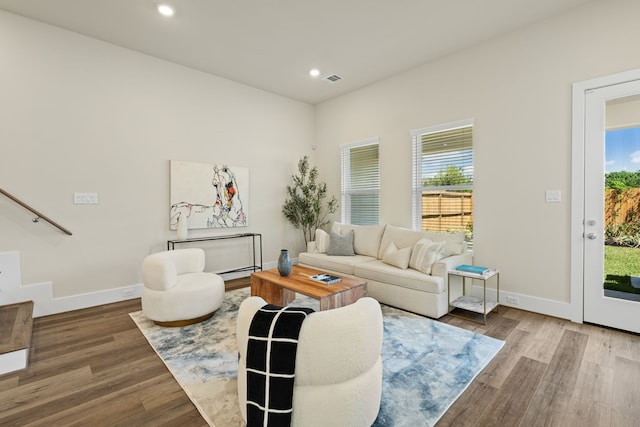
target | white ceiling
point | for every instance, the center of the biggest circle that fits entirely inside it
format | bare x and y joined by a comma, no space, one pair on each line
272,44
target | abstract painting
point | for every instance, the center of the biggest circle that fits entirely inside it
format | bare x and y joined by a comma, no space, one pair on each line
209,195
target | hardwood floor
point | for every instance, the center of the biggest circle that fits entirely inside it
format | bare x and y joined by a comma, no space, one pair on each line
551,372
93,367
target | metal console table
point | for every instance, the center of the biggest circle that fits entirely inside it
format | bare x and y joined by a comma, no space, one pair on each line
171,245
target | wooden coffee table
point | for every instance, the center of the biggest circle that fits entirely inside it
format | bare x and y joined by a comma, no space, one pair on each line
280,290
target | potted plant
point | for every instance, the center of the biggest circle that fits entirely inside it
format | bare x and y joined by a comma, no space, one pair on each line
305,206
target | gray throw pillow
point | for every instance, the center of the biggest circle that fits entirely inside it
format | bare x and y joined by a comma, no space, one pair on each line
341,244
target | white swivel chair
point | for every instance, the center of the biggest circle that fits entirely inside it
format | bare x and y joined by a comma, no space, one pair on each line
338,371
177,291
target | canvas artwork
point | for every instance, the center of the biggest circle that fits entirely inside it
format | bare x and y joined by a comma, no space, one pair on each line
209,195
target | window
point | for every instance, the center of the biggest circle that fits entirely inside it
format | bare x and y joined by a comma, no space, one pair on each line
443,178
360,201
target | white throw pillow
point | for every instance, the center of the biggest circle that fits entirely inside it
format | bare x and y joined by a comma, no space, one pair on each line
322,241
453,248
425,254
455,244
397,257
418,252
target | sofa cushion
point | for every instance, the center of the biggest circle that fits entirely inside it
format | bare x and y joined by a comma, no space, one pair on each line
401,237
397,257
340,244
322,241
454,242
409,278
366,240
338,264
425,253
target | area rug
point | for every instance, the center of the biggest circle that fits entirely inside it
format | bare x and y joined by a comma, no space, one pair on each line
426,364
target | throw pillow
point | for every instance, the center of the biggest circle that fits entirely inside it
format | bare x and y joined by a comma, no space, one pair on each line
453,248
322,241
419,251
455,244
397,257
427,253
341,244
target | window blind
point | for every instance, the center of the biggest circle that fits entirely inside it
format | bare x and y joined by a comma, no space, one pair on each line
360,183
442,158
447,160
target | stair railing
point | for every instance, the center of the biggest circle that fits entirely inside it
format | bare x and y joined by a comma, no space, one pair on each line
39,216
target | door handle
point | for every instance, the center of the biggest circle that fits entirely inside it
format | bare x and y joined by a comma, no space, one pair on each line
591,236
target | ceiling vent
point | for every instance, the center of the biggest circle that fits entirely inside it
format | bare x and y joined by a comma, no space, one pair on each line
333,78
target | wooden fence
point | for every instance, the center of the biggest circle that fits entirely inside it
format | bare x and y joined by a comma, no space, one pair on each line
446,210
621,205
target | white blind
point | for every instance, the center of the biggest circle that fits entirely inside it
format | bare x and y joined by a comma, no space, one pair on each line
442,160
360,199
447,160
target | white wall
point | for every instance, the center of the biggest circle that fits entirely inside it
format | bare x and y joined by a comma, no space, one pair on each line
517,88
79,115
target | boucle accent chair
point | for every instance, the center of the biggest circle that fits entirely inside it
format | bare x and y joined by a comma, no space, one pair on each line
177,291
338,373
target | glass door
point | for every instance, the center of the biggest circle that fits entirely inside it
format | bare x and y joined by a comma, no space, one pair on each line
612,206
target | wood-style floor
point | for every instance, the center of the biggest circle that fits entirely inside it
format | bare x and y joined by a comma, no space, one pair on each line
93,367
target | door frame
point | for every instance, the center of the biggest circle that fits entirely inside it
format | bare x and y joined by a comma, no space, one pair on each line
578,124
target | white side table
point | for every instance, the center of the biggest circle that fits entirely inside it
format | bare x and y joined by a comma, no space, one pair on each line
480,306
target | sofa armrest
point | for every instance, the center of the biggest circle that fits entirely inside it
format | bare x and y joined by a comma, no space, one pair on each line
442,267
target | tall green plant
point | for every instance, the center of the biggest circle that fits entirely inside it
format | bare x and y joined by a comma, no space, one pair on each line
305,206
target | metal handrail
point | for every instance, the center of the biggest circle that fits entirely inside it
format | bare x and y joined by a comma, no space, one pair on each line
39,216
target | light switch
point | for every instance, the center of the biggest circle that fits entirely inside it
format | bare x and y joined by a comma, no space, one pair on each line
553,196
85,198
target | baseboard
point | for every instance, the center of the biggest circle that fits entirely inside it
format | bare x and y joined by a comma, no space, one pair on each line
45,304
544,306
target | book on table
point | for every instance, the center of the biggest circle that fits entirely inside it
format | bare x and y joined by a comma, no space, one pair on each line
325,278
475,269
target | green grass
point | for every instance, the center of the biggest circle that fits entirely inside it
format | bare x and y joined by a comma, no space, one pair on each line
619,263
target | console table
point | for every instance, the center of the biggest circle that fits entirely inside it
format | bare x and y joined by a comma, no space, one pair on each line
171,245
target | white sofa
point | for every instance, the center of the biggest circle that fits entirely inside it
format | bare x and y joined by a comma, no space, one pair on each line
404,268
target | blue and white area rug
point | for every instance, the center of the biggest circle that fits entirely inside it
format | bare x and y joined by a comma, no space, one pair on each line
427,364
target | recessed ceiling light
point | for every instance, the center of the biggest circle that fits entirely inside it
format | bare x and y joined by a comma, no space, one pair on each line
314,73
166,10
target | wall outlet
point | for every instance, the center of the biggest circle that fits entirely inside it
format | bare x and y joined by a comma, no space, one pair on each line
85,198
126,293
553,196
513,300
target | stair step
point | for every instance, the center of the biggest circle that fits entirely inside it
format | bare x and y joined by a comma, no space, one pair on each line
15,335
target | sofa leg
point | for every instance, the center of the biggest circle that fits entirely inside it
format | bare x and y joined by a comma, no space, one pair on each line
187,322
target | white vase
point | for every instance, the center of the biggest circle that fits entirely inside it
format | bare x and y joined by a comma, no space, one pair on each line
311,247
182,229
